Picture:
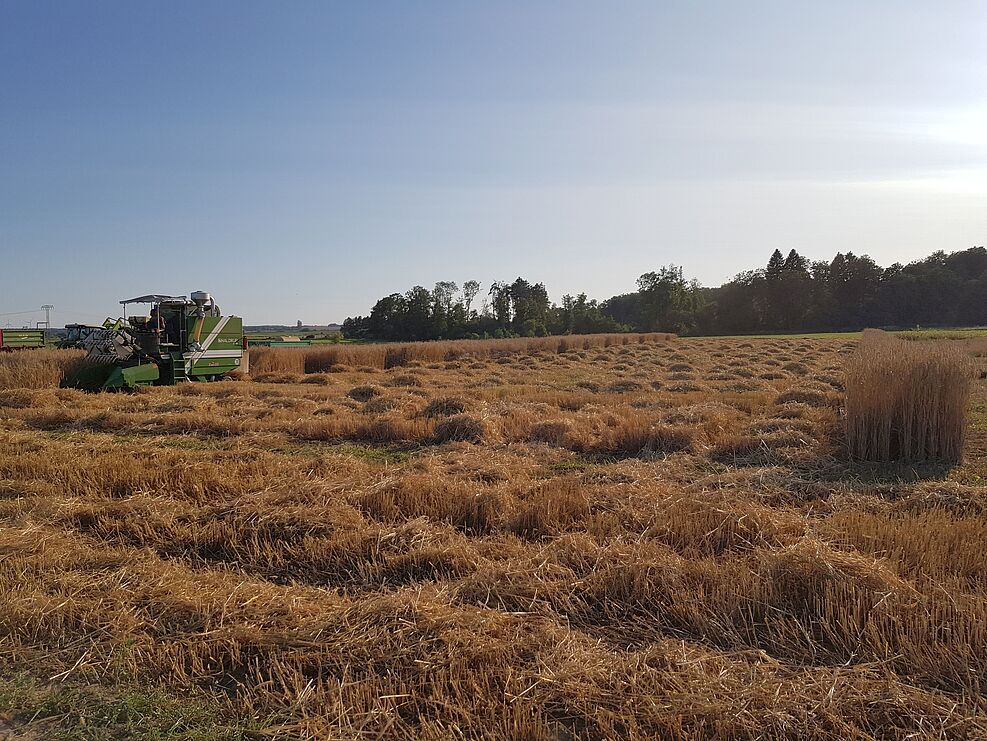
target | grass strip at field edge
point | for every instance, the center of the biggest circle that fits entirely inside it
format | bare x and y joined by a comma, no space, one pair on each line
33,708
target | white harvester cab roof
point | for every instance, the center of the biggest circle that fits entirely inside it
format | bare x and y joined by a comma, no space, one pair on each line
155,298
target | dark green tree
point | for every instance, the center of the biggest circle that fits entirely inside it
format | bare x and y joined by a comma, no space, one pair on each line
663,296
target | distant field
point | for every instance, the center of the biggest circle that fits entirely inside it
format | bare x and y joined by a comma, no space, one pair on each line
944,334
318,339
796,336
658,539
959,333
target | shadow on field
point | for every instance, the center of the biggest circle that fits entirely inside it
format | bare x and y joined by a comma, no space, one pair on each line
888,473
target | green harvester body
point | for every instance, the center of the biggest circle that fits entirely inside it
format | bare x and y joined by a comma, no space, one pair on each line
182,340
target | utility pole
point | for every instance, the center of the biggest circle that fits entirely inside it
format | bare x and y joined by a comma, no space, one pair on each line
47,308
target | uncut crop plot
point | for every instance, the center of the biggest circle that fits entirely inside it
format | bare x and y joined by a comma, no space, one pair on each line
660,539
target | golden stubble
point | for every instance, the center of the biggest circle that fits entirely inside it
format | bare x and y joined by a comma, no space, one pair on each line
644,540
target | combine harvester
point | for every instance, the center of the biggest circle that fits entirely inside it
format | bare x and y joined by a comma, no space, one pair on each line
180,340
21,339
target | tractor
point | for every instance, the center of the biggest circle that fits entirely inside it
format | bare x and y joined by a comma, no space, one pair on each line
76,334
181,339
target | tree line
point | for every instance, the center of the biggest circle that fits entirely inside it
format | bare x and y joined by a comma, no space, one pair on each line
789,294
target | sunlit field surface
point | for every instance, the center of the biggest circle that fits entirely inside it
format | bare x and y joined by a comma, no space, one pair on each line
662,539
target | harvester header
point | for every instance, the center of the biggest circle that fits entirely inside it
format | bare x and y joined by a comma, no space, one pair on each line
180,339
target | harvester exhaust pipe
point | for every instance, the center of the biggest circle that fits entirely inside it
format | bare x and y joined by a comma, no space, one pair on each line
200,299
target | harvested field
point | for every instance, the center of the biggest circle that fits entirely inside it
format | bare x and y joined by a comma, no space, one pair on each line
659,539
336,358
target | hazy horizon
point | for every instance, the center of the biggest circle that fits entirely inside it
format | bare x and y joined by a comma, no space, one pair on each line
301,161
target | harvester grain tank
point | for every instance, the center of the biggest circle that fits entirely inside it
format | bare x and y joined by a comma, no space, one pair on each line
181,339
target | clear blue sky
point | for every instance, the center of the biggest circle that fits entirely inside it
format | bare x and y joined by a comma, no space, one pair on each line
301,159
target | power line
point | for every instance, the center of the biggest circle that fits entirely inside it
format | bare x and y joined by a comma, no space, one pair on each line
83,314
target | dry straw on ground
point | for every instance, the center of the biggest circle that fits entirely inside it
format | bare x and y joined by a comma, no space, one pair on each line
322,358
906,401
535,544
